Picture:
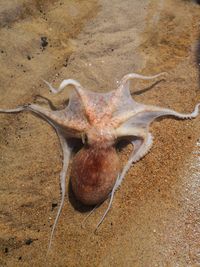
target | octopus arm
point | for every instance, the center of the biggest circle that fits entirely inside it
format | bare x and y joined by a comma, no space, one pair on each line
138,127
125,80
141,147
122,100
36,109
81,99
66,149
63,119
63,84
137,122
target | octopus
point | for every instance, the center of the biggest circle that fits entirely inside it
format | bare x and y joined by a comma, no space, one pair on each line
100,120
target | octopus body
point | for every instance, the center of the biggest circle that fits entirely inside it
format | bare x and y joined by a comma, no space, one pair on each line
94,172
100,120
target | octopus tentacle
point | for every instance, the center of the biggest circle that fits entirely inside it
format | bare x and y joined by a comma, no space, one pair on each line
141,148
57,117
66,157
127,129
15,110
111,195
159,112
82,93
89,214
40,111
65,148
63,84
130,76
124,91
140,123
145,116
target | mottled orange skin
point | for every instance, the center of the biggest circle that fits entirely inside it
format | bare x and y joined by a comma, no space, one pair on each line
94,172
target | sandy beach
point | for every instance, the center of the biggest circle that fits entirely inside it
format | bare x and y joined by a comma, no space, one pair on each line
155,217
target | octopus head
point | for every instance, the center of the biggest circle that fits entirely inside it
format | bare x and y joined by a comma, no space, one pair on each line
95,167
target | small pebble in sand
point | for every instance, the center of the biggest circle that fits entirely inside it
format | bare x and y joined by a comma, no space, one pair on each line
43,41
28,241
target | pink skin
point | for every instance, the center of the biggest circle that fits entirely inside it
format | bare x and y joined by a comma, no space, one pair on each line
101,166
99,120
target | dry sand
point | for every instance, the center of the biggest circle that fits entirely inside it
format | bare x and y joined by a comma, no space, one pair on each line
155,218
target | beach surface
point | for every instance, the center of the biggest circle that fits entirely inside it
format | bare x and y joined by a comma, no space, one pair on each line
155,216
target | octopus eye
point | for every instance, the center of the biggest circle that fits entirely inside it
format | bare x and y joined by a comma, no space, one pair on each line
84,138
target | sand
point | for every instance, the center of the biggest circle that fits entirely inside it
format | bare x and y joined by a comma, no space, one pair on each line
154,220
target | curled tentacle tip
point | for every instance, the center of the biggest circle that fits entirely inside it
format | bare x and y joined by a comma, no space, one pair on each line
164,73
83,223
95,231
51,88
45,81
82,226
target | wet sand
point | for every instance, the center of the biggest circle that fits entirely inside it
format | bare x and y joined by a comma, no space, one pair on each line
154,220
